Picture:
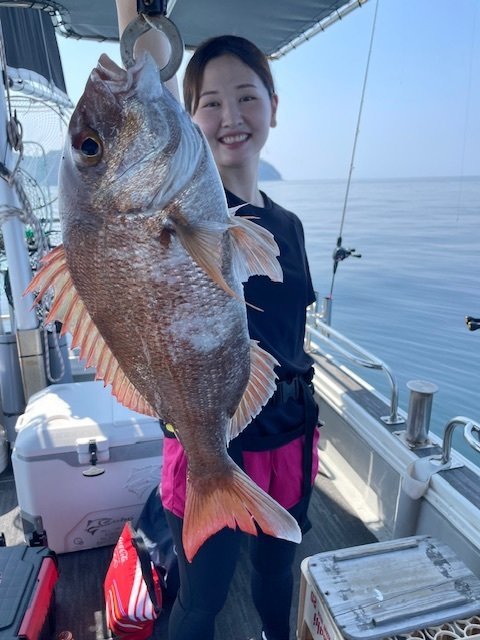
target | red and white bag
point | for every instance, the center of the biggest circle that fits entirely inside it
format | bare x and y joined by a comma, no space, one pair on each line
133,597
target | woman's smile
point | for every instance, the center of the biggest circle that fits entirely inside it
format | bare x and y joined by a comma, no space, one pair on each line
234,139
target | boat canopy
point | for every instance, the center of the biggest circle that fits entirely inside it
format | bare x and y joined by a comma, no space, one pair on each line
33,61
31,52
274,25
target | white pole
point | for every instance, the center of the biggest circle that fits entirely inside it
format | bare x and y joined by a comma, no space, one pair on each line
19,269
14,234
29,339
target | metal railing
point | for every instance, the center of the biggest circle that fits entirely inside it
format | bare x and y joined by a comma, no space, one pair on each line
317,329
469,429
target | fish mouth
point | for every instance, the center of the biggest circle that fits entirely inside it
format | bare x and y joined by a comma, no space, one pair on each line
124,81
138,90
142,81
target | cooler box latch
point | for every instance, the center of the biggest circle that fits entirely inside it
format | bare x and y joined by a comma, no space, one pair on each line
92,450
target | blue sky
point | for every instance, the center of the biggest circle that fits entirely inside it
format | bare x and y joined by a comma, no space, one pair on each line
422,102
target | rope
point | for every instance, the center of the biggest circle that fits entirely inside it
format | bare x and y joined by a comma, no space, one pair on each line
45,48
14,128
466,118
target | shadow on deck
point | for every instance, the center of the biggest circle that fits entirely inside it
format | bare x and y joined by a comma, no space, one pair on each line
79,592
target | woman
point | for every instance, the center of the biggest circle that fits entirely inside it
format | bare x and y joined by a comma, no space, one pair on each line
229,92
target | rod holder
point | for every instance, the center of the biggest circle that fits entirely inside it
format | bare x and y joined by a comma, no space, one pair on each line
419,411
32,363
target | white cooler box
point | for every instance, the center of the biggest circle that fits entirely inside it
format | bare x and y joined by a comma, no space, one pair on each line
83,465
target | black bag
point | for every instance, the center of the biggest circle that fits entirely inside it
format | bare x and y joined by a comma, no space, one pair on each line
153,527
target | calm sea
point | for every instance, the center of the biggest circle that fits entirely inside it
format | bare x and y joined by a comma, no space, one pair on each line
406,298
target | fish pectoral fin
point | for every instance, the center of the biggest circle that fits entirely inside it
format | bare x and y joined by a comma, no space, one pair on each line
254,250
203,242
236,501
69,309
260,388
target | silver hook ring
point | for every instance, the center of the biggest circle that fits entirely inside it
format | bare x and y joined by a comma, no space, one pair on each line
140,25
473,441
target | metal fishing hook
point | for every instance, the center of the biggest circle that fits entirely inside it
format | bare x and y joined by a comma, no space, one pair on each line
143,23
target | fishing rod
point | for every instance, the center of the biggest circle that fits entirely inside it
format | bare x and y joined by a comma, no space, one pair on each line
340,252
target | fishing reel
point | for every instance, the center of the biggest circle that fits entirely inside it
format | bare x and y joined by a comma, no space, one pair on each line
152,15
472,323
341,253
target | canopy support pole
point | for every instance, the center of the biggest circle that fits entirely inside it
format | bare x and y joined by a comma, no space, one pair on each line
26,322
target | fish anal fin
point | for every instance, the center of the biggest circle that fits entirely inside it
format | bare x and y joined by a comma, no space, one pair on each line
260,388
254,250
236,501
69,309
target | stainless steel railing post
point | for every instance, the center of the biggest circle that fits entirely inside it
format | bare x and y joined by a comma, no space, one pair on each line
419,411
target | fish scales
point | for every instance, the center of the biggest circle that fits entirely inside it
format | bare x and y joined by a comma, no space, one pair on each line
149,282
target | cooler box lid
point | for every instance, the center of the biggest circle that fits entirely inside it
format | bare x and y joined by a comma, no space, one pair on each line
388,588
62,416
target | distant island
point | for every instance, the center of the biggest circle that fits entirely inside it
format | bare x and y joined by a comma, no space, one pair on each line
45,168
266,171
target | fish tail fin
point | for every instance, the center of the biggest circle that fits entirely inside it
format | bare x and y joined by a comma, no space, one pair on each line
235,501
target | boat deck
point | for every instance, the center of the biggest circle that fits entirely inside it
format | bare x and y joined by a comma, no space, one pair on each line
79,592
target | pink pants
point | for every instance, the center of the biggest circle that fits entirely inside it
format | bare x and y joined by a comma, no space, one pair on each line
279,472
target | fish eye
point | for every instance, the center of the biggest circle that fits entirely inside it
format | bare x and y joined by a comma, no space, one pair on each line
88,148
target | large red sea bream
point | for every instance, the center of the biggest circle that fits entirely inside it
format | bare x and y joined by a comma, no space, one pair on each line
149,283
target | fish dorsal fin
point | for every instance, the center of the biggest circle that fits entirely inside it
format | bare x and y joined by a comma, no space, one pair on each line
69,309
203,242
260,388
255,250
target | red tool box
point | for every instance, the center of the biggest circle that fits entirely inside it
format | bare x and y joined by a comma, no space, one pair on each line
27,580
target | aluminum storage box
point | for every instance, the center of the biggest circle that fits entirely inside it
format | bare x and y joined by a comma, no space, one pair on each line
407,587
83,465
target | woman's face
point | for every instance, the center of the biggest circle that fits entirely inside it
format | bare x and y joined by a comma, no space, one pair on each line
235,111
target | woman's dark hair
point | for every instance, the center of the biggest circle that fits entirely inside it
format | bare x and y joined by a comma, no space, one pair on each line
242,48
